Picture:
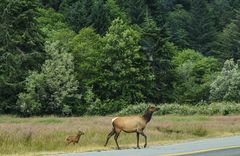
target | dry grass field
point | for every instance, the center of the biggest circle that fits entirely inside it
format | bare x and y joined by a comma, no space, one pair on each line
44,135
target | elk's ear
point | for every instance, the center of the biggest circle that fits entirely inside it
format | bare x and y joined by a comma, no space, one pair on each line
148,107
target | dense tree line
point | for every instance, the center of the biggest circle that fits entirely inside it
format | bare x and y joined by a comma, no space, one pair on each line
75,57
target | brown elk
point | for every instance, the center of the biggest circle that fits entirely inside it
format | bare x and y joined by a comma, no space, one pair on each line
131,124
74,138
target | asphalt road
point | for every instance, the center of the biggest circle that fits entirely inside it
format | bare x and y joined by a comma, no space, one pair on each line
227,146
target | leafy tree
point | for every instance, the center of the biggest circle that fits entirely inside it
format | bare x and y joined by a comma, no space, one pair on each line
115,11
194,74
86,48
21,48
201,29
124,72
227,85
51,21
50,90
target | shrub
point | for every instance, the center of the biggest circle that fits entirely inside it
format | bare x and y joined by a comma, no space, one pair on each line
199,131
133,109
194,73
224,108
106,107
226,86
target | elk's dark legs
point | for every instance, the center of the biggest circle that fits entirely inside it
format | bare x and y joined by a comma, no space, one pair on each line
145,145
138,140
109,136
115,138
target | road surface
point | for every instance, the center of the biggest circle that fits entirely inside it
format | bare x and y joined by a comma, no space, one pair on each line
227,146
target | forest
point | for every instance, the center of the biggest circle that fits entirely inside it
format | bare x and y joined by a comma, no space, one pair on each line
96,57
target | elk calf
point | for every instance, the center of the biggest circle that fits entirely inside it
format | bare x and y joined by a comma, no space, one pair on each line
131,124
74,138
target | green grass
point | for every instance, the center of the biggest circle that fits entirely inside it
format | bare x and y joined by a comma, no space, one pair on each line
41,135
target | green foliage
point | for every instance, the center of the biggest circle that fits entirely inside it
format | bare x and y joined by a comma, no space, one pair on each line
177,25
228,45
194,75
135,9
97,107
200,131
177,109
50,21
95,13
133,109
47,91
226,86
115,63
222,13
106,107
21,48
201,27
160,53
51,3
124,72
86,49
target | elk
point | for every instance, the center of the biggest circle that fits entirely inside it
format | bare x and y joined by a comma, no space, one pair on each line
74,138
131,124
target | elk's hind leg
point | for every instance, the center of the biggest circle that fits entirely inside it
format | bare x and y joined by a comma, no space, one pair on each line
115,138
109,136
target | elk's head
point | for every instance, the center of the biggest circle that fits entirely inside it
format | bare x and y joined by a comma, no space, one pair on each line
152,108
80,132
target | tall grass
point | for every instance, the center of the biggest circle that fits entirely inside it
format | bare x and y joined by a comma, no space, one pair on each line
32,136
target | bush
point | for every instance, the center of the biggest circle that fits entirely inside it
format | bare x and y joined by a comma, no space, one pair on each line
199,131
194,73
224,108
226,86
133,109
106,107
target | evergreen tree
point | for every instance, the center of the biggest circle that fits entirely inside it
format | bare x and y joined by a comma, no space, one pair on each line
159,9
135,9
93,13
159,51
55,4
222,13
100,18
201,28
21,48
78,14
177,23
228,45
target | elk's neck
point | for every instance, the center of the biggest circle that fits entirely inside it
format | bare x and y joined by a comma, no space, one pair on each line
78,136
147,116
